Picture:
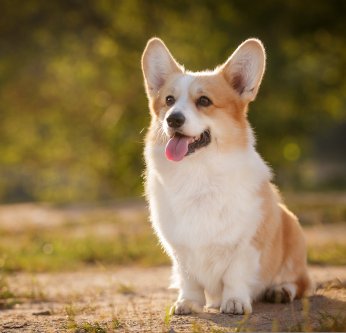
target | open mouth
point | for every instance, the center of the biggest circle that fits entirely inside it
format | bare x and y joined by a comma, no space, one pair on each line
180,145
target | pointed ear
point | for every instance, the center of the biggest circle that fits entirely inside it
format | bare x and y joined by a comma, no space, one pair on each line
157,65
245,67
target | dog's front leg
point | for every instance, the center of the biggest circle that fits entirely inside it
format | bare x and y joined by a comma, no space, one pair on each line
237,281
236,301
191,297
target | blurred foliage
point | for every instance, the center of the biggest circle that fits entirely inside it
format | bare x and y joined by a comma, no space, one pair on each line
73,108
317,208
99,237
327,254
77,237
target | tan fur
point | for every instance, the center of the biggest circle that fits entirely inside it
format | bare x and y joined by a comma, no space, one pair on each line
281,242
158,103
279,237
228,110
231,87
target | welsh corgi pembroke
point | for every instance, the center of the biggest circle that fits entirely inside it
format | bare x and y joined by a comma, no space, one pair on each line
212,205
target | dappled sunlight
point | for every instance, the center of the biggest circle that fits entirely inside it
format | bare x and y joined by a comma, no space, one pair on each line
77,249
73,107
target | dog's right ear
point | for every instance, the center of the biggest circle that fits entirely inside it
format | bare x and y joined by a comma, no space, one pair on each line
157,65
244,69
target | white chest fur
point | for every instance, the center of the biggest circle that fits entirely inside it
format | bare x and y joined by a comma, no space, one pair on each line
205,206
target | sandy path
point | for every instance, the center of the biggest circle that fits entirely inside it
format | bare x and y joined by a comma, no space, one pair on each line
136,299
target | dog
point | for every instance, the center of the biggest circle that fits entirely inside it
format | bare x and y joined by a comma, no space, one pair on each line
213,207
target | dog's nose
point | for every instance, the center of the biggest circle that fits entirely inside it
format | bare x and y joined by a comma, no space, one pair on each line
175,120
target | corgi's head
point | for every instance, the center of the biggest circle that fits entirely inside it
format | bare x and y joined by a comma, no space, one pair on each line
193,111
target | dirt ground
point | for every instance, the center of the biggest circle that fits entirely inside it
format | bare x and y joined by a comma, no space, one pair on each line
136,300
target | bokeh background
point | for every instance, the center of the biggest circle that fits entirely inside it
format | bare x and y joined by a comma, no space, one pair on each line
73,116
73,112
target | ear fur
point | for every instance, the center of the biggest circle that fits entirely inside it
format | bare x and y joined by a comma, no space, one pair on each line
244,69
157,65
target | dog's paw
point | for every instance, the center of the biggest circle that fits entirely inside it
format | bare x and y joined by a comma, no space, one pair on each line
280,294
236,306
214,305
185,306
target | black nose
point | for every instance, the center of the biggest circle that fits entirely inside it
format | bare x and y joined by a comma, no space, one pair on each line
175,120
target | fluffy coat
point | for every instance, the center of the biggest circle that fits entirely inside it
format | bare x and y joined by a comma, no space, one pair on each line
215,211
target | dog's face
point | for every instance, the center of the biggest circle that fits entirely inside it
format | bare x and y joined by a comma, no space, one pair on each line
193,111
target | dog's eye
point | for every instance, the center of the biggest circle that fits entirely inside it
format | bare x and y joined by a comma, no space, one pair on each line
204,101
170,100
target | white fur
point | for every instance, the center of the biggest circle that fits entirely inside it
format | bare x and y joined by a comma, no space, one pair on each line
194,124
206,209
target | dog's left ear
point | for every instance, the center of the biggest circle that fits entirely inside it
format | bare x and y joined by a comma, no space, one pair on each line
157,65
244,69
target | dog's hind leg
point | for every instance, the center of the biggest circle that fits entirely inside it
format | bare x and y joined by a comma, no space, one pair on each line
287,291
282,293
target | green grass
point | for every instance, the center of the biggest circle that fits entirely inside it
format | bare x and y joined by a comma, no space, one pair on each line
67,253
56,249
101,237
85,327
77,326
167,318
126,289
327,254
9,298
74,245
317,208
89,328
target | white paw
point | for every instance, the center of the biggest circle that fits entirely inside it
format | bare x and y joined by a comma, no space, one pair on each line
185,306
236,306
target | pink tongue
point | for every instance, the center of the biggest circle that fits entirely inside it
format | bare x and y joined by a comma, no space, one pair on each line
177,148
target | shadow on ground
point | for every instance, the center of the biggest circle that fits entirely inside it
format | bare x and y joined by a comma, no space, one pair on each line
316,313
134,299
